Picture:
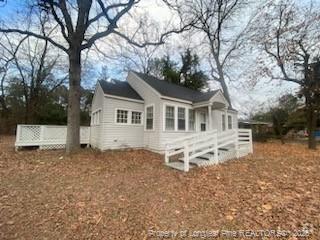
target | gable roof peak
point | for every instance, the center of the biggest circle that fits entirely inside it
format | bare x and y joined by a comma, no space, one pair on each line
119,88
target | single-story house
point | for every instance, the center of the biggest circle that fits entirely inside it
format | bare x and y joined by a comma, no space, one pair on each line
145,112
189,127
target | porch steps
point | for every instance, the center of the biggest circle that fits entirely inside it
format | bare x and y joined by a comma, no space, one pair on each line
204,158
201,162
177,165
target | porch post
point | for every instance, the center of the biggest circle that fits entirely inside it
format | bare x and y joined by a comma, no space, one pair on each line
209,118
186,158
237,143
216,149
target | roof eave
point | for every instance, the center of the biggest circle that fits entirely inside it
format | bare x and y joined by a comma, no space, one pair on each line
123,98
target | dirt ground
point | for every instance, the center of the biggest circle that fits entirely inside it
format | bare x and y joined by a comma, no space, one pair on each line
132,195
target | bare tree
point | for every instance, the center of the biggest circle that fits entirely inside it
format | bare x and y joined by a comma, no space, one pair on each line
138,59
34,69
131,57
214,21
6,59
288,35
82,23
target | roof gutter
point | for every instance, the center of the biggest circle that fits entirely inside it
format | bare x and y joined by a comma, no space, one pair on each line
123,98
176,99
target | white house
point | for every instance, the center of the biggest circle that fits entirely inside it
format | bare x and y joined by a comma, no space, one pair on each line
145,112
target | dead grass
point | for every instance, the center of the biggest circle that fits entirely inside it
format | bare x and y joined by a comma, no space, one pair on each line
124,194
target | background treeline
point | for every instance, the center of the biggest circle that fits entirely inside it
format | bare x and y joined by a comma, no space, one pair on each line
33,87
287,119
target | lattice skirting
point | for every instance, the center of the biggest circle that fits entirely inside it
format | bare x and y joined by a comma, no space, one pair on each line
224,156
52,147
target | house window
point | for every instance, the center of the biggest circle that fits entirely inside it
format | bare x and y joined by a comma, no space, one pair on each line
95,118
122,116
136,117
169,118
223,122
181,118
92,118
203,123
149,118
229,122
191,120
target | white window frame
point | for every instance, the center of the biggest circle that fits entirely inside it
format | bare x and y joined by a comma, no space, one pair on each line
223,122
146,118
231,121
176,106
185,119
194,120
116,115
129,119
165,117
96,117
201,121
141,117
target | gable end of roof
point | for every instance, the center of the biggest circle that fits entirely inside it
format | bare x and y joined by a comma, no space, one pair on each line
119,89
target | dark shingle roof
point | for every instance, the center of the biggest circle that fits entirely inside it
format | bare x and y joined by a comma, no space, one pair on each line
119,88
175,91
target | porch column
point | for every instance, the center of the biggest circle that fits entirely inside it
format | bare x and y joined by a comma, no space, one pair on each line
209,118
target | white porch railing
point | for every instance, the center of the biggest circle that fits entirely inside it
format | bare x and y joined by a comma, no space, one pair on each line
211,144
46,136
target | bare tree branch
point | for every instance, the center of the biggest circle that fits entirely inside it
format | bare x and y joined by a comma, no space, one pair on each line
32,34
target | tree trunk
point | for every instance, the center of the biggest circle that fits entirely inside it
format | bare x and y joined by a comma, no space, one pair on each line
221,76
311,126
225,90
31,111
73,130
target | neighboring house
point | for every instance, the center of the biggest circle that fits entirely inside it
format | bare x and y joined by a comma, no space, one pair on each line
145,112
257,127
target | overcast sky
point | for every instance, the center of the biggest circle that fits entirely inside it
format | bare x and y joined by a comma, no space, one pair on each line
246,99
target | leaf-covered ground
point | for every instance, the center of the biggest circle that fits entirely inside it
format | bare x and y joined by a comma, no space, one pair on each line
127,194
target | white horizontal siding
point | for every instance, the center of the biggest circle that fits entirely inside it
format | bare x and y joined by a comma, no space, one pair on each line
150,138
116,135
95,131
217,119
234,119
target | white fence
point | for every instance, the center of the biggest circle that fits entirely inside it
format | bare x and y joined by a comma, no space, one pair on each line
238,143
46,136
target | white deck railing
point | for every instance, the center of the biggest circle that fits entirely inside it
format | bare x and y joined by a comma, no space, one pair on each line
199,144
46,136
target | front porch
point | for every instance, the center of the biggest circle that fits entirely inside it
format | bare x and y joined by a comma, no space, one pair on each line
215,114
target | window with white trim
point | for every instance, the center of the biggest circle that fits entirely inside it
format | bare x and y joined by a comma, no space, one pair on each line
181,119
149,117
136,117
192,118
229,122
95,117
169,118
203,122
223,122
122,116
